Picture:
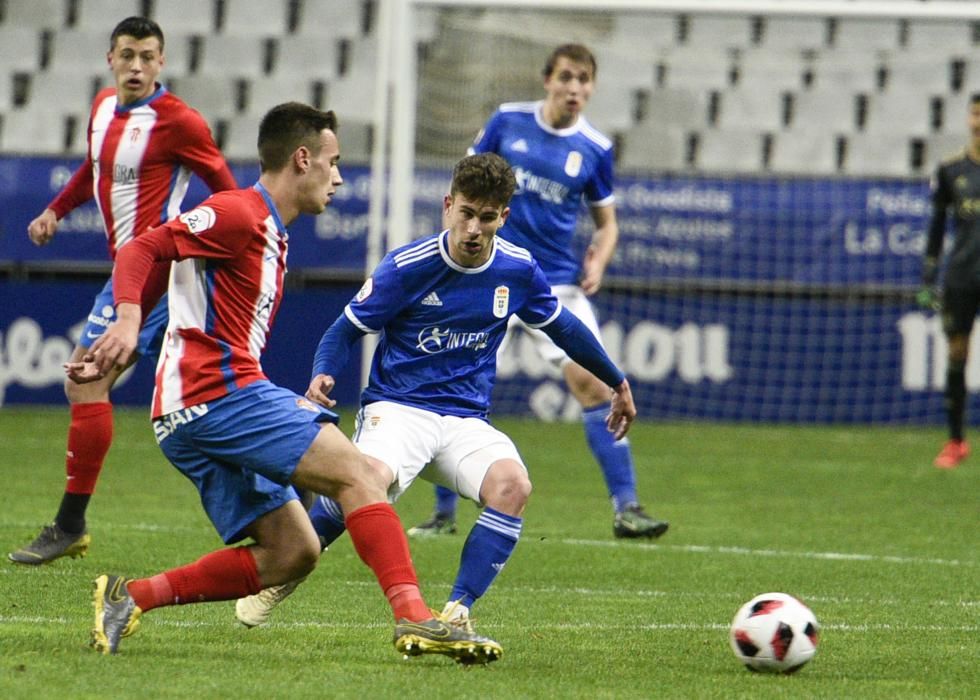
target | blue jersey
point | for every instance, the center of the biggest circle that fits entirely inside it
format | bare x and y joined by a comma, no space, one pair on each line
556,170
441,323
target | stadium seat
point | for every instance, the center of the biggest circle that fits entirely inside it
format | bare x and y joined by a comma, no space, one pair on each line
925,71
651,147
954,112
216,98
79,51
177,54
197,17
612,106
899,112
642,34
827,109
752,106
765,68
21,48
939,147
676,107
306,55
865,33
6,90
255,18
943,36
63,93
103,15
266,92
797,33
730,151
36,14
240,136
352,98
34,132
331,18
839,69
871,154
232,56
718,31
696,68
801,151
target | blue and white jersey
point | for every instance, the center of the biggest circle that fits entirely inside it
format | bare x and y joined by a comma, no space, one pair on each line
556,169
441,324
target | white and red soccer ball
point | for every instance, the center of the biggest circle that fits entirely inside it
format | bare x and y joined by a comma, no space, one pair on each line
774,632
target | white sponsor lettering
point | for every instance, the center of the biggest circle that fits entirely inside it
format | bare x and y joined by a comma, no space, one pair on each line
165,426
895,239
29,359
924,354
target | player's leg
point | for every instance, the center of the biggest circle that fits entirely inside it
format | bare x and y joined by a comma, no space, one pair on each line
959,311
485,466
615,457
90,432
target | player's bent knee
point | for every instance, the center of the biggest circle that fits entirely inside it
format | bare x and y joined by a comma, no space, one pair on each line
506,487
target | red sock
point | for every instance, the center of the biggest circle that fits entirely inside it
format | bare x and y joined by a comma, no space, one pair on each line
89,438
380,541
223,575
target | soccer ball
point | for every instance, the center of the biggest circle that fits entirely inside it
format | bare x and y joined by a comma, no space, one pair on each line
774,632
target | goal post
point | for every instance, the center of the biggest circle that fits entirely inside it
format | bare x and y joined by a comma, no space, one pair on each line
749,293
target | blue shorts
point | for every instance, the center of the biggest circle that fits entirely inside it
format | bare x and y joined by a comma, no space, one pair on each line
104,312
241,451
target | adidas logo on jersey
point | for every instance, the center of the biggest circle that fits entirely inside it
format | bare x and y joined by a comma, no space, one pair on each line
432,299
520,145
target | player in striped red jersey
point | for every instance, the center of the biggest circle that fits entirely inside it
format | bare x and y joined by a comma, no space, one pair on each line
144,144
242,440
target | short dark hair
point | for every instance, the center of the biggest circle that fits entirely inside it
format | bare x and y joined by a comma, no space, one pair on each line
975,98
484,178
138,28
573,52
288,126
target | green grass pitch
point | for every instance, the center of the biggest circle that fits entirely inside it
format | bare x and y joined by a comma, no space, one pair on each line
854,520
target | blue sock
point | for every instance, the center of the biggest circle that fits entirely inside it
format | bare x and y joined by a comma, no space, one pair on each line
446,500
328,520
488,547
614,457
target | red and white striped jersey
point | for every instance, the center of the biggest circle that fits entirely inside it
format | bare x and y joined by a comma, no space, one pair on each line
139,163
224,293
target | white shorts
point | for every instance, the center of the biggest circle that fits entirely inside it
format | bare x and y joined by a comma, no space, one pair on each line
447,450
572,298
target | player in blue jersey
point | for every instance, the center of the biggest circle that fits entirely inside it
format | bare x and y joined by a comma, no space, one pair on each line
441,306
559,160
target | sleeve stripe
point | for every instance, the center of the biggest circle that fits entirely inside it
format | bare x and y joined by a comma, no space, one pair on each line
419,252
353,319
550,318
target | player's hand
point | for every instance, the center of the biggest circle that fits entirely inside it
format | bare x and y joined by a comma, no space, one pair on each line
592,272
927,298
41,230
319,390
622,411
113,350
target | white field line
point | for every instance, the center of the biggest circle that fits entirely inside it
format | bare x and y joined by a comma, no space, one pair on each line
746,551
667,627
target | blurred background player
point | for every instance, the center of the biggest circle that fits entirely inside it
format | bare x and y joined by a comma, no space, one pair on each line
956,191
143,145
240,439
441,306
560,159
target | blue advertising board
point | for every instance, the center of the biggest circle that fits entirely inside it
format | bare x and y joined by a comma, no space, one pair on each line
40,323
336,240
